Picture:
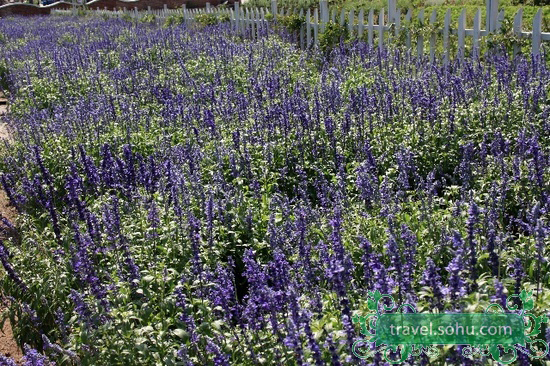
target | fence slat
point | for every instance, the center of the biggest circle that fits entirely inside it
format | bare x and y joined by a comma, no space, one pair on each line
324,14
257,20
316,27
487,17
308,27
351,20
246,22
446,25
518,19
500,19
397,21
537,25
494,15
420,39
302,31
371,26
381,29
433,19
242,21
235,15
477,26
361,25
342,17
408,18
461,33
263,22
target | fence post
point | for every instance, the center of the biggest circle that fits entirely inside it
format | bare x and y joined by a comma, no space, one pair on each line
208,7
537,20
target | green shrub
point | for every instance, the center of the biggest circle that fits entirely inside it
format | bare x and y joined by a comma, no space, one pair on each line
127,17
4,72
82,12
223,18
175,19
211,19
332,36
292,23
206,19
148,18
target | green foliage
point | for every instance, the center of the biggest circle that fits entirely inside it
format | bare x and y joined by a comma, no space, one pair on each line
416,28
207,19
292,23
333,34
506,38
223,18
290,4
82,12
148,18
174,19
4,75
127,18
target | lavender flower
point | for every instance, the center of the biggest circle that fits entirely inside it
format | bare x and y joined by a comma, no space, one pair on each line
456,287
33,358
7,361
472,221
10,270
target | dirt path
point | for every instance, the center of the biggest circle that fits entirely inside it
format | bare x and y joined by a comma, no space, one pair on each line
8,346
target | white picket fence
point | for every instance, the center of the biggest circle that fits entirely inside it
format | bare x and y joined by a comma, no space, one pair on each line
369,24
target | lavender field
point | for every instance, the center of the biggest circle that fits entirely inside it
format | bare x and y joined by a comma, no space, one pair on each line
190,197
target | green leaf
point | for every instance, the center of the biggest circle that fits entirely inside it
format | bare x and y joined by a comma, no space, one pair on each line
180,333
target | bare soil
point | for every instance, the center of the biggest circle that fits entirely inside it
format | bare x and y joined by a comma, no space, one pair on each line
8,345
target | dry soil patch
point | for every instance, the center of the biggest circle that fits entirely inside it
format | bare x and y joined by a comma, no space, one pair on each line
8,346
